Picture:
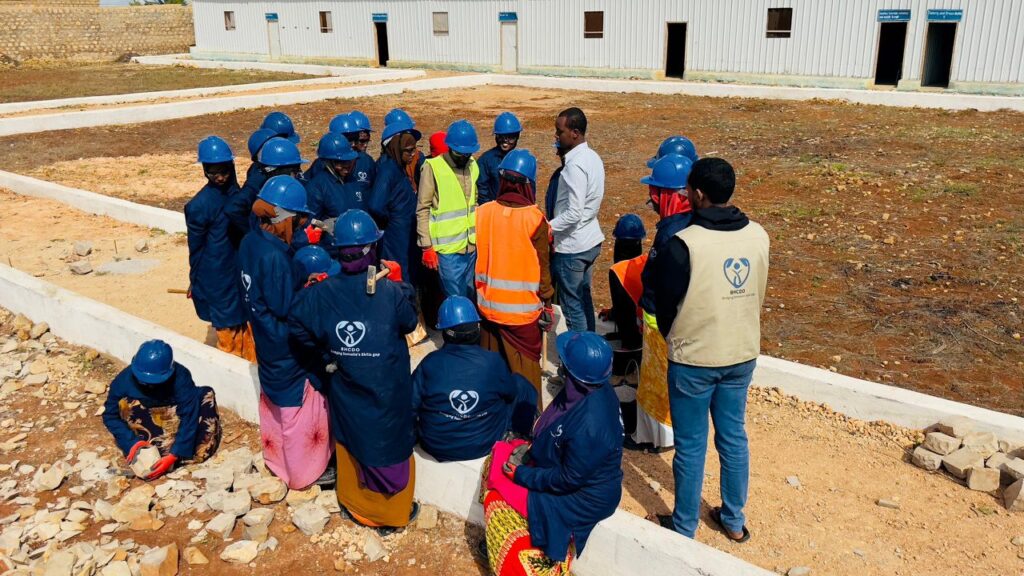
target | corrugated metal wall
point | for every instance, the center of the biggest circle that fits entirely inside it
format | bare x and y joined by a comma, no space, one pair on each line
831,38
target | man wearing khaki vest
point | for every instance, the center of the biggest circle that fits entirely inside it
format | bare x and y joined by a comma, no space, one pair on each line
709,287
446,211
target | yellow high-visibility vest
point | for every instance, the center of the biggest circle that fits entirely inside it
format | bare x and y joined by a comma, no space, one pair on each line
453,220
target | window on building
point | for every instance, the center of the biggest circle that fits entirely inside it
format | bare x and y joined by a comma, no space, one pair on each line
593,24
440,23
325,23
229,20
780,22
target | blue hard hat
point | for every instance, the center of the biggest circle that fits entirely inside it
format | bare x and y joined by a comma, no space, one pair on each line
507,123
342,124
282,126
361,121
355,228
153,363
630,227
521,162
461,137
675,145
586,356
214,150
280,152
334,146
316,260
456,310
398,115
399,126
285,192
258,139
669,172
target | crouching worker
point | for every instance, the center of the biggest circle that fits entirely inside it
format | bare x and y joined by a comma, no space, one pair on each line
465,397
542,502
154,402
294,428
356,325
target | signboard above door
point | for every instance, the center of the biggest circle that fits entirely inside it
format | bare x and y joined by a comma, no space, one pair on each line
508,17
945,15
894,15
271,16
380,17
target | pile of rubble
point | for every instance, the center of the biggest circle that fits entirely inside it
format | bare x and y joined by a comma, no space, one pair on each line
83,512
981,460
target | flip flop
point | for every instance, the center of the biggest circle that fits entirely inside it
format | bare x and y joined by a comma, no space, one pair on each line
716,517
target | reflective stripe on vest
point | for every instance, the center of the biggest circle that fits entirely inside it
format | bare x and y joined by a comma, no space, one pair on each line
628,272
507,266
453,220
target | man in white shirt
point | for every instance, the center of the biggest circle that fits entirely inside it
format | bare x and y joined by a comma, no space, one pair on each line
576,231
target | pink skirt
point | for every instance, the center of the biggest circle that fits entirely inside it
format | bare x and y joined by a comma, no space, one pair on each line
297,440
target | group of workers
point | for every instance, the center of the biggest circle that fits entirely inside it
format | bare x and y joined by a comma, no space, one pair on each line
321,278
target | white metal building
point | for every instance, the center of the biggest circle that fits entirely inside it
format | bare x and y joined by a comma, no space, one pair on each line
967,45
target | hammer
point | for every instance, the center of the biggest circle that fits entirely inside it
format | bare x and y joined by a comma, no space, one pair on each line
373,276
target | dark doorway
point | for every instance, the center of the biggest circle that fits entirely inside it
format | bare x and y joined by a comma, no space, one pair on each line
382,42
891,42
675,53
938,54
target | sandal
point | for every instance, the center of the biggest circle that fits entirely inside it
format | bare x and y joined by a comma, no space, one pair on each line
716,517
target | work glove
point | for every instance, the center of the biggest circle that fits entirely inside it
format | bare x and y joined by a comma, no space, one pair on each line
314,234
315,278
331,368
188,293
510,470
135,450
394,270
430,258
547,318
162,466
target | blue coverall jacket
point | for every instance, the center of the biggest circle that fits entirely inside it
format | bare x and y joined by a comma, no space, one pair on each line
489,182
213,259
393,205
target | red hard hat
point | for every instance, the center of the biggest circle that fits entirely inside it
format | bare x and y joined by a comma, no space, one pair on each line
437,145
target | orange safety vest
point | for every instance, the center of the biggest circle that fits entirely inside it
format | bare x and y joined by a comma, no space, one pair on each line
628,273
507,267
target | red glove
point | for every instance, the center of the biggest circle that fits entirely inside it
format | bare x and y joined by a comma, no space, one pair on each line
188,293
314,234
395,269
547,318
315,278
135,449
430,258
162,466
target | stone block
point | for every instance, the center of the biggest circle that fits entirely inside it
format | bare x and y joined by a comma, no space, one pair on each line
959,462
145,458
941,443
983,479
241,552
160,561
956,426
1014,468
996,460
984,443
1013,497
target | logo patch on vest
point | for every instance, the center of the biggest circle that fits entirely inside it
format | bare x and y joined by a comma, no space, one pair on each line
350,333
362,176
737,271
463,401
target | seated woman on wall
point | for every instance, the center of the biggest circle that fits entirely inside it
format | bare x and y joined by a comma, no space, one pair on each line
542,505
154,402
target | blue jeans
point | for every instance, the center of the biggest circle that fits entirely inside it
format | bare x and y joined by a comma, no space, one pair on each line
572,274
457,274
693,391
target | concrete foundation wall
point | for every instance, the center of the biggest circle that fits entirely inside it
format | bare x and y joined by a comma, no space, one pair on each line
71,32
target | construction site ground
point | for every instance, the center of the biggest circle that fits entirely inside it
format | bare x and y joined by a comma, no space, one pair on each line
830,521
62,420
897,234
42,81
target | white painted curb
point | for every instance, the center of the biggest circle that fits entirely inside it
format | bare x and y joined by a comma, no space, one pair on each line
314,69
15,107
84,321
93,203
944,101
869,401
622,545
173,110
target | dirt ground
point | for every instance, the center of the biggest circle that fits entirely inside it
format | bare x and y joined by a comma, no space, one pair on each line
831,522
897,233
54,436
68,80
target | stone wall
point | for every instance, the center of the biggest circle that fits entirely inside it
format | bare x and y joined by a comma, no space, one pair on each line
68,31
